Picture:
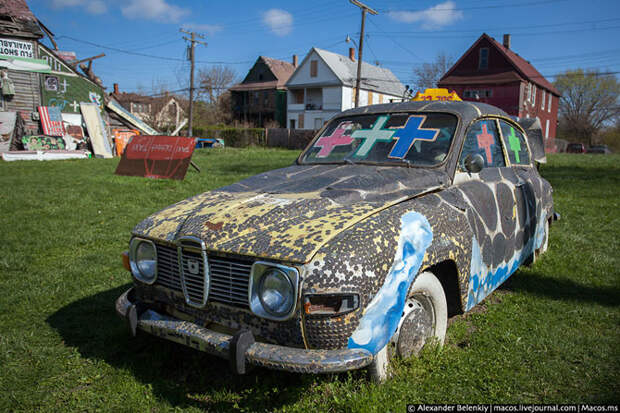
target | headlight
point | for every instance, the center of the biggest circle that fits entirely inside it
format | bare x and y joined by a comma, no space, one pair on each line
273,290
143,260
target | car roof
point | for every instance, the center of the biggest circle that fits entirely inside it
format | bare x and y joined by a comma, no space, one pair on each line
467,110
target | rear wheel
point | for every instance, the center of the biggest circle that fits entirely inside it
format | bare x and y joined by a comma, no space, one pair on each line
424,319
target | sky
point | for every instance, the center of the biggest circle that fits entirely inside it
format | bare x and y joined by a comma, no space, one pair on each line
145,50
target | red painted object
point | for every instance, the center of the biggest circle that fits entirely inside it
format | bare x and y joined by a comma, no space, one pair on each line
506,80
150,156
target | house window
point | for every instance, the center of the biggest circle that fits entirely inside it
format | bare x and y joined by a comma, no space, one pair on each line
547,129
370,98
292,123
534,95
549,103
529,92
542,101
314,68
318,123
483,62
301,120
299,96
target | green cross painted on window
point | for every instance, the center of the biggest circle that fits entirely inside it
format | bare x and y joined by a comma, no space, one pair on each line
515,144
372,136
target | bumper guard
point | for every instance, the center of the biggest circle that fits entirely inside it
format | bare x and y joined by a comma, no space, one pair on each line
241,347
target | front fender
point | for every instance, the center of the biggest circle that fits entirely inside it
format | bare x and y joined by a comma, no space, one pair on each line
359,259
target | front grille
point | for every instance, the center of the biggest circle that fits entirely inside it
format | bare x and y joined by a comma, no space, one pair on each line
229,277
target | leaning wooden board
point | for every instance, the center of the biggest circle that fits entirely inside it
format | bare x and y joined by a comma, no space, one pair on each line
96,130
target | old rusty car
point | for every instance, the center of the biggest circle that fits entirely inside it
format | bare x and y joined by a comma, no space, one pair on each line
395,217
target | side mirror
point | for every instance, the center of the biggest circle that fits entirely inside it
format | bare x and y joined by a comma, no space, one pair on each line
474,163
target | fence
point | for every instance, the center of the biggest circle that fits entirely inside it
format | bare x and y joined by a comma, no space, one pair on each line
275,138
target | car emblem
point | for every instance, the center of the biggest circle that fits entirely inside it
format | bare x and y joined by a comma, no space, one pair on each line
193,266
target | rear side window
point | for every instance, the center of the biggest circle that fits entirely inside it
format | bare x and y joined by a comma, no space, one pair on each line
516,147
482,138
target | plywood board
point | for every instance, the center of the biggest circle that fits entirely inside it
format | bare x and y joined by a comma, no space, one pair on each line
96,130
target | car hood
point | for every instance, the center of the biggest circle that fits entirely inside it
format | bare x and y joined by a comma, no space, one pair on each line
288,214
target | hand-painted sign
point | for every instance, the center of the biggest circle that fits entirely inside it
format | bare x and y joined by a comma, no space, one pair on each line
337,138
372,136
157,157
407,135
121,138
16,48
436,94
485,140
66,89
51,121
42,143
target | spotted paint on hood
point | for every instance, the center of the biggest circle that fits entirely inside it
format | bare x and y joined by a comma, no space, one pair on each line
288,214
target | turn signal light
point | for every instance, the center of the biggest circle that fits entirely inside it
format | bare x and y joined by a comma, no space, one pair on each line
125,256
330,304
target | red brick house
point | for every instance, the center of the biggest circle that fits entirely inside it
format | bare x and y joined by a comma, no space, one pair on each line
491,72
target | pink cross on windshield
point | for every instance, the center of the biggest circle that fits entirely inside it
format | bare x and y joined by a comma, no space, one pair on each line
337,138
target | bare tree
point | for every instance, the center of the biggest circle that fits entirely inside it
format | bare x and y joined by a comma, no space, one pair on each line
428,75
589,102
214,81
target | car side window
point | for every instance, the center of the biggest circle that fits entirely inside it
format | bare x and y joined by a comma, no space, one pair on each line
515,144
482,138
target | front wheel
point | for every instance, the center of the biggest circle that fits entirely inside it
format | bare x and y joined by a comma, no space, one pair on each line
424,319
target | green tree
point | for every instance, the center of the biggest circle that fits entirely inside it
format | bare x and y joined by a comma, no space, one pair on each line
589,102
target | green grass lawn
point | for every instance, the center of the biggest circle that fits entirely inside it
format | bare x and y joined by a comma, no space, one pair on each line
550,334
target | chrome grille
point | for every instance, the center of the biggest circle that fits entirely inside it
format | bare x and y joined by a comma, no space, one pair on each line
194,280
229,277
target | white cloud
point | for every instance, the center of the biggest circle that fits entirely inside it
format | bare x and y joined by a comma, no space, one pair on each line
279,21
434,17
207,28
91,6
154,10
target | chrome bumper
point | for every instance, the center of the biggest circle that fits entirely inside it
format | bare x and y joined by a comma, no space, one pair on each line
241,348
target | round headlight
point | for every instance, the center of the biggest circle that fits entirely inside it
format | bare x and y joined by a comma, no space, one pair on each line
144,260
276,292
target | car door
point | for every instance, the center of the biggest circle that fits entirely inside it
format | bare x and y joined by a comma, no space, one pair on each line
529,187
490,195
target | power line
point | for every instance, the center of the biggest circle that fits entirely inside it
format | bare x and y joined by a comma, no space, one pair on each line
493,6
129,52
506,28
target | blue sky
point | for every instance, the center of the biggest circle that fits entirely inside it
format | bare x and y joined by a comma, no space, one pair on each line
555,35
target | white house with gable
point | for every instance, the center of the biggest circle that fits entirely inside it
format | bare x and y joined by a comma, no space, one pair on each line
324,85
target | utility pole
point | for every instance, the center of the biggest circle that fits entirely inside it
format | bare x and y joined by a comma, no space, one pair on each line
364,9
190,57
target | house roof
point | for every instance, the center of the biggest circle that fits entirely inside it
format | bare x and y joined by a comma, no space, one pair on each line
157,102
22,22
521,66
374,78
281,70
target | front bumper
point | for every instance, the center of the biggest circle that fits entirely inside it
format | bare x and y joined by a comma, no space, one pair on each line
229,347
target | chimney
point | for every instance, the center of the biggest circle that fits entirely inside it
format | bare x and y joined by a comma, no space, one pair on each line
294,60
507,41
352,54
116,88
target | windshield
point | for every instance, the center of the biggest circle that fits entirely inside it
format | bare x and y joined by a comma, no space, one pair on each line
420,139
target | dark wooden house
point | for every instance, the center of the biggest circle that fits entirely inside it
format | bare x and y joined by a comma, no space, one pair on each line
19,59
493,73
261,96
